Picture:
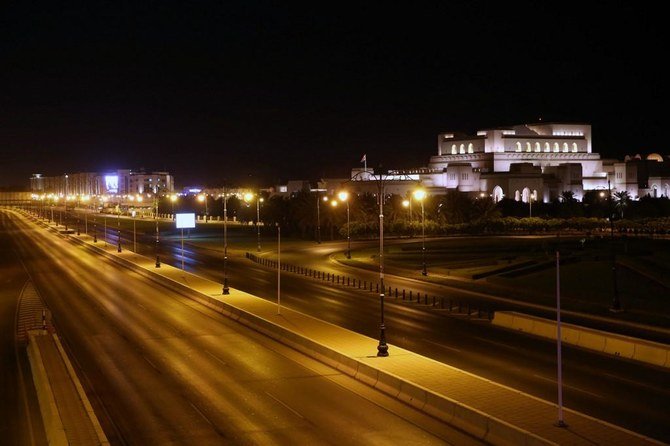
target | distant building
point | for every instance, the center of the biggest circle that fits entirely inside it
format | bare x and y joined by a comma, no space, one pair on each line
539,160
119,182
643,176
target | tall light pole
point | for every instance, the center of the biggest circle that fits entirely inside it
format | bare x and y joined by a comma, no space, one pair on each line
616,304
248,197
226,290
420,194
318,216
380,179
158,259
173,198
344,196
203,198
118,228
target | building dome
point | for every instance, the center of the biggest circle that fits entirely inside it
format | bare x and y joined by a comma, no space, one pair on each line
655,157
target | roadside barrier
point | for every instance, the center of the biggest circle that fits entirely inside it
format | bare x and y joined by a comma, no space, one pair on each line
470,309
609,343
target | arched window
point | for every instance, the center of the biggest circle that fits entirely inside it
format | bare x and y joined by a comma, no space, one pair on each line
655,189
525,195
556,148
534,196
461,148
538,148
528,147
547,147
565,147
574,147
517,196
497,194
470,148
518,146
453,149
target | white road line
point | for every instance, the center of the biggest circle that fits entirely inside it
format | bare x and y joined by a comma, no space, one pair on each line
285,405
569,386
215,357
150,363
499,344
443,346
201,414
637,384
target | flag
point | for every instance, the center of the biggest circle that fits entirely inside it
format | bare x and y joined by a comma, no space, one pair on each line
364,159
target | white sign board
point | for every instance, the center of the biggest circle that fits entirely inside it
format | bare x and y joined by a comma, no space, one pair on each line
185,221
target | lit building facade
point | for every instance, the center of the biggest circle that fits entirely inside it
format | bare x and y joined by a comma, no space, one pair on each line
119,182
519,162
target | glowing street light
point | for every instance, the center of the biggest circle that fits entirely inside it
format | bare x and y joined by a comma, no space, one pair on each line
248,197
226,290
203,198
420,194
173,198
344,197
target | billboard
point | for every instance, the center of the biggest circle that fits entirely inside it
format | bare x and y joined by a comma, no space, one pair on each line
185,221
112,184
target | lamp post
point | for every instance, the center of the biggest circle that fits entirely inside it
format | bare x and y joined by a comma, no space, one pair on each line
344,196
158,259
318,216
616,304
420,194
226,290
118,228
173,198
380,179
248,197
203,198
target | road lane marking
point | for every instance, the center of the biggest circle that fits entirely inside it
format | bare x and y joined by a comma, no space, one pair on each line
637,384
150,363
569,386
499,344
443,346
285,405
216,357
201,413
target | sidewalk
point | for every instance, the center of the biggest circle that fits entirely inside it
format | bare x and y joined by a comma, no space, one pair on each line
489,411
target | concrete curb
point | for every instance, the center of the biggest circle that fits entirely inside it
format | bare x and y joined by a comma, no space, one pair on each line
612,344
53,424
102,438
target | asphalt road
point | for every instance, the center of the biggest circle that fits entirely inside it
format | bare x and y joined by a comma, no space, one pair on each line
622,392
162,369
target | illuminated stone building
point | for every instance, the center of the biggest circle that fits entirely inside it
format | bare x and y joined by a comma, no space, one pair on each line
539,160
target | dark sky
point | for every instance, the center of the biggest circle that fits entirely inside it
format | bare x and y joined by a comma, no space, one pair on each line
266,91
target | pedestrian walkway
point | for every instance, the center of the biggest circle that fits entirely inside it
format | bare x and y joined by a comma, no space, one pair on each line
488,410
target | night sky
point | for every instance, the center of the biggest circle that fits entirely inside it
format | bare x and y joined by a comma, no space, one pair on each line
262,92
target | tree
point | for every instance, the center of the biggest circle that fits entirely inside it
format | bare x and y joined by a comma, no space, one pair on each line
621,201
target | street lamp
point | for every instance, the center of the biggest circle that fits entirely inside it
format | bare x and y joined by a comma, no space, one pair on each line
203,198
420,194
380,180
226,290
173,198
118,227
344,196
248,197
408,204
616,304
158,259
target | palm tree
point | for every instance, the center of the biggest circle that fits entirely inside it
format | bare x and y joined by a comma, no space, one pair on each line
621,200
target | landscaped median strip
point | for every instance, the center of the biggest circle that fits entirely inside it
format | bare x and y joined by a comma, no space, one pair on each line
487,410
